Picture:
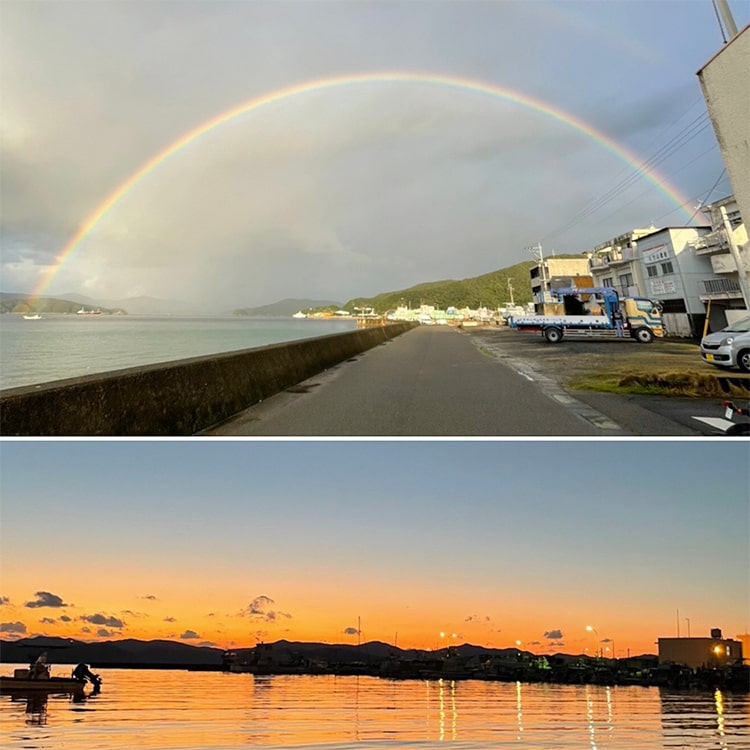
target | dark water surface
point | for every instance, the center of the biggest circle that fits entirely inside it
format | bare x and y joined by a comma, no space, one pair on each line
211,711
64,346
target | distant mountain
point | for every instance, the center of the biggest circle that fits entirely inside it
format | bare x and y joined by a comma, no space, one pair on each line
129,651
170,654
286,307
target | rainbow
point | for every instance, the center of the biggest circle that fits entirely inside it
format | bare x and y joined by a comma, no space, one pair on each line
463,84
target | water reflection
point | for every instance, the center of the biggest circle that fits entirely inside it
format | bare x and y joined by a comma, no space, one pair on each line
703,714
519,711
213,711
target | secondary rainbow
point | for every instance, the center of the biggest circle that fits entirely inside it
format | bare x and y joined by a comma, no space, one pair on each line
463,84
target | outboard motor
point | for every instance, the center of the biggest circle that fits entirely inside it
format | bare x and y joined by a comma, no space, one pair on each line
83,673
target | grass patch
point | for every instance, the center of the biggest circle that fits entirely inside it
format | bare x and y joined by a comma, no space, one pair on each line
689,384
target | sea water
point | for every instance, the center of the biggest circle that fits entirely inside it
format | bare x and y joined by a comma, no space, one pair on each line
160,710
64,346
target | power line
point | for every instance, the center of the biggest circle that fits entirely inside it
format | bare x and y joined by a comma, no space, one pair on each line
687,134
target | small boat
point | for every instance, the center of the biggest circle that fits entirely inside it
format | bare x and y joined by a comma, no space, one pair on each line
299,314
18,684
38,679
35,316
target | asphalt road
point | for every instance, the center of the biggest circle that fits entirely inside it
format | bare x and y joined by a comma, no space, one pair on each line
431,381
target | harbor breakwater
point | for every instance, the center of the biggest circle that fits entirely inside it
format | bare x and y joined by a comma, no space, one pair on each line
177,398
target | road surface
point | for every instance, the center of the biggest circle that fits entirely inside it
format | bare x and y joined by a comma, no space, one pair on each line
431,381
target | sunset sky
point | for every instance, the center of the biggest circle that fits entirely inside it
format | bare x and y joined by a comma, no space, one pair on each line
228,542
342,191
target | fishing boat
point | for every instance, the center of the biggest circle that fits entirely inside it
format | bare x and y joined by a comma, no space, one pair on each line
35,316
22,682
299,314
38,679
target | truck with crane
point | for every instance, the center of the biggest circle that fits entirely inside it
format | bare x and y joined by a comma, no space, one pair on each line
591,311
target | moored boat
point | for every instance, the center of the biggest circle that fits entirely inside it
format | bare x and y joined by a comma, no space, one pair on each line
35,316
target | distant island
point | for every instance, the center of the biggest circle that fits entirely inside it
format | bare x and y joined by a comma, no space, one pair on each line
286,307
23,304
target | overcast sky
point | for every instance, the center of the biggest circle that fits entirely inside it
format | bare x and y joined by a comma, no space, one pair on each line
231,541
350,190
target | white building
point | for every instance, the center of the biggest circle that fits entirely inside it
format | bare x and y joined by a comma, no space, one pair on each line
725,82
725,292
660,264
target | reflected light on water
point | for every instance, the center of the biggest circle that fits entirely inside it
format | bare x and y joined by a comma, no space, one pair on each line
519,712
719,701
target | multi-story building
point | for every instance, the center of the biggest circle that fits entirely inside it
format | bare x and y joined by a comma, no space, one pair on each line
725,81
553,273
725,292
710,652
660,264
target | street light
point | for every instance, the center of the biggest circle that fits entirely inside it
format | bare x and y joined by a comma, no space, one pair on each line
591,628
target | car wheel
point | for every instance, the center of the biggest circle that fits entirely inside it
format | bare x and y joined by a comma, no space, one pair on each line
743,360
643,335
553,335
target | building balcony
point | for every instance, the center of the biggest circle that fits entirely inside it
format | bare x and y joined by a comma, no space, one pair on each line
716,289
614,257
708,244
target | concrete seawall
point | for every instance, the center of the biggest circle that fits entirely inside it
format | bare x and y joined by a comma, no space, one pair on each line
181,397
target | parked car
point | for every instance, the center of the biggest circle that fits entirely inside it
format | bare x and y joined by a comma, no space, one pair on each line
729,347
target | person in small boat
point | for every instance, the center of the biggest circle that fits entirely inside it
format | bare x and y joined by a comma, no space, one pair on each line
38,670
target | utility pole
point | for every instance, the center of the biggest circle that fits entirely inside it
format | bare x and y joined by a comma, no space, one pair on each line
724,11
735,251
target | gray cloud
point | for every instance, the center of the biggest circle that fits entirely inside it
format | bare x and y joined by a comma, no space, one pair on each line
170,619
12,627
104,633
65,618
350,631
151,597
258,610
334,193
553,634
48,620
99,619
189,635
46,599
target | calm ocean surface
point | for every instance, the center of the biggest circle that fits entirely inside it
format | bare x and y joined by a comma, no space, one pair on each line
64,346
211,711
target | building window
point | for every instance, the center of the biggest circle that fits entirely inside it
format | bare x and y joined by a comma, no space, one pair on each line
607,282
667,267
652,271
625,280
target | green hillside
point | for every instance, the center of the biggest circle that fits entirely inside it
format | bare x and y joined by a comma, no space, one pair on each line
489,290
